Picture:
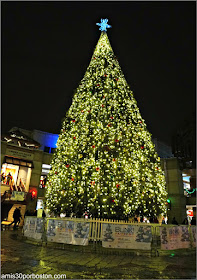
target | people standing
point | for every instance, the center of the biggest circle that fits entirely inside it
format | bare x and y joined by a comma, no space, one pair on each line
9,179
2,177
185,222
16,216
174,221
155,220
193,221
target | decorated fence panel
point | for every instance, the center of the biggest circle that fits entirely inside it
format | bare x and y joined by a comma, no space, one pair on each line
69,232
126,236
193,233
175,237
33,227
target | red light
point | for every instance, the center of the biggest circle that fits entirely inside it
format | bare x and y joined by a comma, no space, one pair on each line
33,194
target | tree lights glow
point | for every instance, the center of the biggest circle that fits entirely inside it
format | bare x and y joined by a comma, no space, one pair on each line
105,162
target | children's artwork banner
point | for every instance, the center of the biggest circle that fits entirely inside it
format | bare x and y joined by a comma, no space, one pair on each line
69,232
81,233
193,229
19,196
33,227
126,236
176,237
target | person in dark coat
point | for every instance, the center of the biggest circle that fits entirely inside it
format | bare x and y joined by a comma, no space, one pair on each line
155,220
27,213
43,214
185,222
193,221
16,216
174,221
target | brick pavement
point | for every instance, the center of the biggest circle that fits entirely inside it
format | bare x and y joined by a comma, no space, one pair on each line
20,256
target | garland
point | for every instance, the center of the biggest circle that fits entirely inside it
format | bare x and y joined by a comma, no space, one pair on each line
189,191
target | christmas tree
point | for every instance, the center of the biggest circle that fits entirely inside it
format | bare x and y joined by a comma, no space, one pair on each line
105,161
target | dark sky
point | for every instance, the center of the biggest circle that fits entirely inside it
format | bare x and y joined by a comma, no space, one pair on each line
47,46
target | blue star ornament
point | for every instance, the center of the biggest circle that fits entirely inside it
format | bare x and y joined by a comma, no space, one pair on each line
103,25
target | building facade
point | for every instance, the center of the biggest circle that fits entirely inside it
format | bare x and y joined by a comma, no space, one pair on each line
26,156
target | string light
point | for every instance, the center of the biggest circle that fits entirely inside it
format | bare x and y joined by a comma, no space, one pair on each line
191,191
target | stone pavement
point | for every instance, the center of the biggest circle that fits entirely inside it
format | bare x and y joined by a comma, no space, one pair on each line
21,256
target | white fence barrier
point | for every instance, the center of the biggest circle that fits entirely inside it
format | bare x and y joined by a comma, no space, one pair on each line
112,234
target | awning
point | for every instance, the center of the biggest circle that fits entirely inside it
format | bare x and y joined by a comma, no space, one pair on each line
17,161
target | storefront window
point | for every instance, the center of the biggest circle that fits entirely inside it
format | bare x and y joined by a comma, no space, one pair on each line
15,178
9,174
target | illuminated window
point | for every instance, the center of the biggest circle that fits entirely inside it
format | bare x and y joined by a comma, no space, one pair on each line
45,170
186,184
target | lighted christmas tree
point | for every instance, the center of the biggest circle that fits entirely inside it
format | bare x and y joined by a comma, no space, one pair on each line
105,162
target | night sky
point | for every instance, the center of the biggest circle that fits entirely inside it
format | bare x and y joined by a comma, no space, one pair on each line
47,47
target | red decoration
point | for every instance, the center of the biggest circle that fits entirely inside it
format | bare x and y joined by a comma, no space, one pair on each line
56,172
74,137
82,111
94,57
105,75
117,186
109,124
140,121
103,96
116,79
92,182
67,165
142,147
114,159
112,118
113,200
190,213
102,105
73,120
89,111
93,146
98,85
72,179
33,194
97,168
116,140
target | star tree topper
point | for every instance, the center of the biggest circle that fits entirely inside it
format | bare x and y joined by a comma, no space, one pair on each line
103,25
